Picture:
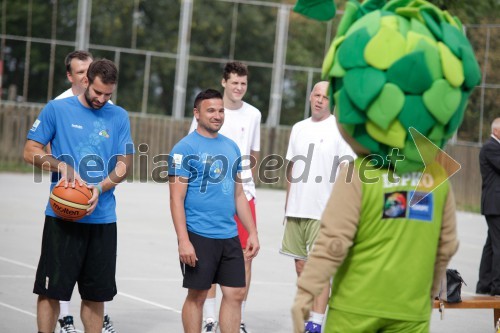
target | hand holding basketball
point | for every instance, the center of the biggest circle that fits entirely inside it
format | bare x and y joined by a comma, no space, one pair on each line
96,193
68,175
70,203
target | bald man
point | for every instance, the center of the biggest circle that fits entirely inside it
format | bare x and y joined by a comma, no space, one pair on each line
489,163
314,151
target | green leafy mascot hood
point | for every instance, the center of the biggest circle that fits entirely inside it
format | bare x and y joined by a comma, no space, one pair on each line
396,65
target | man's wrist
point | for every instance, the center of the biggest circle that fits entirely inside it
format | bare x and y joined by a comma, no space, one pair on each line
99,188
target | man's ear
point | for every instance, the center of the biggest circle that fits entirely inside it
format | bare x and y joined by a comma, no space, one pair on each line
223,83
69,76
196,113
86,81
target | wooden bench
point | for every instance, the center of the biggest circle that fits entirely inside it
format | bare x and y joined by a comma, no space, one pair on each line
476,302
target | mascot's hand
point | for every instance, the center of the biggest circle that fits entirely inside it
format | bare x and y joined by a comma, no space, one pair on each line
301,308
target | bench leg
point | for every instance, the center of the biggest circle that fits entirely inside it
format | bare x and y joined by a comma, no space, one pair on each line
496,316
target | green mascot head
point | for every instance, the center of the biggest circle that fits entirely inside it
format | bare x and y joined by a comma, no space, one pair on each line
396,65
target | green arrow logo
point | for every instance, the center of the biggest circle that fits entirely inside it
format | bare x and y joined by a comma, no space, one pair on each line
438,164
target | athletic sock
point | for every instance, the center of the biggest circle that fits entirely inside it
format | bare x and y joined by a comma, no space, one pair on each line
243,310
209,308
317,318
63,309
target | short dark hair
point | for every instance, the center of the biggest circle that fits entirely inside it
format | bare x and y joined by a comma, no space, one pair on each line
235,67
78,54
206,94
103,68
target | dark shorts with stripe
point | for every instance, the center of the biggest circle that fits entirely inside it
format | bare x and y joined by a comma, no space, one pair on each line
220,261
80,253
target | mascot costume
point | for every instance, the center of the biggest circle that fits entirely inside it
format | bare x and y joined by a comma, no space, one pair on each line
400,74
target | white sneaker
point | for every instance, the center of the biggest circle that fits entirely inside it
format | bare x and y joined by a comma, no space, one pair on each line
209,325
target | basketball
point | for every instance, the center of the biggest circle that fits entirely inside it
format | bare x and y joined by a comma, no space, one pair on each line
70,203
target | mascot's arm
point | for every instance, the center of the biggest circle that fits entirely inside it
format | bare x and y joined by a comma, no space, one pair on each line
448,242
338,229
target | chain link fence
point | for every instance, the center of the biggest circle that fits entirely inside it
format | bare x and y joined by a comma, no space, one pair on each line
168,51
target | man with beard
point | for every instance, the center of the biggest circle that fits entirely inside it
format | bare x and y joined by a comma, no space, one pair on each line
205,194
90,143
242,125
77,63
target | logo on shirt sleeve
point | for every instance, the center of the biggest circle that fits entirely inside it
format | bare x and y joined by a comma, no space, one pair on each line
177,161
35,125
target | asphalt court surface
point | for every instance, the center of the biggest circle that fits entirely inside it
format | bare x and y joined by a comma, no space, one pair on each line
150,295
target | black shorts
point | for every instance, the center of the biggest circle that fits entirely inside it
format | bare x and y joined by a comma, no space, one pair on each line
77,252
219,261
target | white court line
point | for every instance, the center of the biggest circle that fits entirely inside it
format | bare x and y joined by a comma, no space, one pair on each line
17,309
166,280
4,276
135,278
119,293
22,311
17,263
149,302
144,279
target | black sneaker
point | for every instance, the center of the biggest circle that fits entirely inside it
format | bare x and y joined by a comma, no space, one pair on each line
209,326
67,325
107,325
243,328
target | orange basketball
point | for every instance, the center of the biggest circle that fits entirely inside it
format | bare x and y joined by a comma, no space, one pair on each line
70,203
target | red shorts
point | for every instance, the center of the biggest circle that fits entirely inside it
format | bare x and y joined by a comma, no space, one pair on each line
242,232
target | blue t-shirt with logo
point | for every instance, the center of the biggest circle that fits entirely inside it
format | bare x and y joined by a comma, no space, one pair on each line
211,166
88,140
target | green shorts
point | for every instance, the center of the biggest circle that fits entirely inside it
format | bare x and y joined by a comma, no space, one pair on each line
340,322
299,237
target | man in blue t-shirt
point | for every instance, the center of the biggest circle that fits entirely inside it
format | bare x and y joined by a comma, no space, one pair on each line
90,143
205,194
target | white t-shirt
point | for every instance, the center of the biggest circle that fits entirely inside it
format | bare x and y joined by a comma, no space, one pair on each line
243,127
69,93
66,94
316,148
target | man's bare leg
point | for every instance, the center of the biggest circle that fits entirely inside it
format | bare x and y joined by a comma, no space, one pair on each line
47,312
92,314
212,291
192,311
230,309
248,276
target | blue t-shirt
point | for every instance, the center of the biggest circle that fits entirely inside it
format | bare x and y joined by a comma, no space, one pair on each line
211,165
88,140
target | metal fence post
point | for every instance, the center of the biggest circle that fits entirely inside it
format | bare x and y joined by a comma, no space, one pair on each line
279,61
83,24
181,70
